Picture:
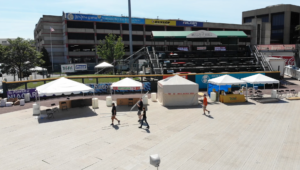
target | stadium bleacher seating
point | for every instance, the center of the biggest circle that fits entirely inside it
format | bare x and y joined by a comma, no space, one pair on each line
209,61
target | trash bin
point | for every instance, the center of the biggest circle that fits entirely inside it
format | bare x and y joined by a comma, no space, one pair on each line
213,96
95,103
22,102
274,94
153,97
36,109
108,101
145,99
27,97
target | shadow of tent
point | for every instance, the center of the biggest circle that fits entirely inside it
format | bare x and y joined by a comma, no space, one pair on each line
73,113
183,107
127,108
268,100
240,104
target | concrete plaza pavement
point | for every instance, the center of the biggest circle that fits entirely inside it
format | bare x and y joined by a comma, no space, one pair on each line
236,136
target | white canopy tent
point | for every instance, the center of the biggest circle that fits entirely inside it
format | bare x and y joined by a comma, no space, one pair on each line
260,79
226,80
62,86
177,91
104,65
38,69
127,84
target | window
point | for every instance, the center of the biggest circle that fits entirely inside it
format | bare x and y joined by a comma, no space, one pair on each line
107,26
248,19
74,24
277,27
4,42
175,28
294,22
134,27
264,18
155,28
198,28
81,36
148,38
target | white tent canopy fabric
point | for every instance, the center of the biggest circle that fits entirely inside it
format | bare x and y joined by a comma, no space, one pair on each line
225,80
177,91
37,69
104,65
260,79
127,84
63,86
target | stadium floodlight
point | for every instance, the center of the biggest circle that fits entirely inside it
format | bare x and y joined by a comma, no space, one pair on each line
155,160
130,28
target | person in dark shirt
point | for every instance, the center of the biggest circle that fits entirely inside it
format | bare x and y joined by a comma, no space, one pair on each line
140,107
114,113
144,118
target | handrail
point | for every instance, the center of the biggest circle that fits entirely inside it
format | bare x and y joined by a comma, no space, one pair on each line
263,58
134,54
122,60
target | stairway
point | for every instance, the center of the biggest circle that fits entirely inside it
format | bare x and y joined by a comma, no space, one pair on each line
260,57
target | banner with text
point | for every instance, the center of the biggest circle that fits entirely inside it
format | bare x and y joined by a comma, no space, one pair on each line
276,47
20,94
160,22
189,23
101,18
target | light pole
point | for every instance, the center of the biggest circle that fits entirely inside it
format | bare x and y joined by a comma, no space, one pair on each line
130,28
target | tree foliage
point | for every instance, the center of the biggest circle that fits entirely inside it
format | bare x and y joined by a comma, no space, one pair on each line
112,48
297,28
47,64
19,56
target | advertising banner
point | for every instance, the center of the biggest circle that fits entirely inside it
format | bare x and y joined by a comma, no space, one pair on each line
203,79
189,23
101,18
183,48
220,48
67,68
202,34
201,48
160,22
20,93
80,66
104,88
276,47
289,60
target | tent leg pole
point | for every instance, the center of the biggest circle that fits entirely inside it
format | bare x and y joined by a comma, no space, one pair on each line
219,93
246,92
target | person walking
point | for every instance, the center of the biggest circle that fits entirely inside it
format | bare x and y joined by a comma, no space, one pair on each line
140,107
114,113
205,105
144,119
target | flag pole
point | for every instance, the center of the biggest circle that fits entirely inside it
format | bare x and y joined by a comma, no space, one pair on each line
51,50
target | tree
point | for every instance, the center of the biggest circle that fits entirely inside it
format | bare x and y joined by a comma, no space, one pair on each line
20,55
46,58
112,48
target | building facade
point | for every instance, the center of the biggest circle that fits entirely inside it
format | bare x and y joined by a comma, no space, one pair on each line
76,35
276,23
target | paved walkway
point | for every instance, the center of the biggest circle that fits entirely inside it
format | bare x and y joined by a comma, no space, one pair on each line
243,136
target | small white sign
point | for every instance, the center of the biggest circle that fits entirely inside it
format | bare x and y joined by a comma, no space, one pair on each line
67,68
202,34
90,79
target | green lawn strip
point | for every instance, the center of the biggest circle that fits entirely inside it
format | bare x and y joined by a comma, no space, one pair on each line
86,81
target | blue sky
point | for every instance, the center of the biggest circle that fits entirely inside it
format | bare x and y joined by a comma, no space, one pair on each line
18,17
